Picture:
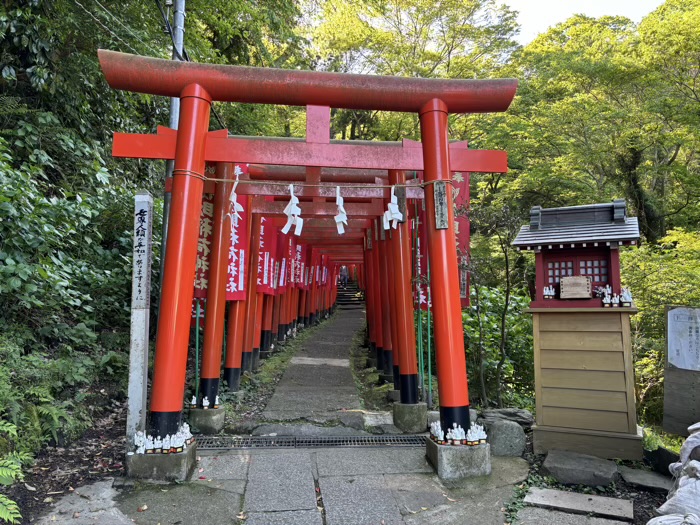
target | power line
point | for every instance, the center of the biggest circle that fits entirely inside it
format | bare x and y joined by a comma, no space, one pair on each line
105,27
126,27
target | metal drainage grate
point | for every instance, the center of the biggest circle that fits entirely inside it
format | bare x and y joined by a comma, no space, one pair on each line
237,442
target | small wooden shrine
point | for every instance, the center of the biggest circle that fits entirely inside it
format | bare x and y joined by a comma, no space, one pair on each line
584,375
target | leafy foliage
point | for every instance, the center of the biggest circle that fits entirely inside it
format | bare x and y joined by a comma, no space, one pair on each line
482,322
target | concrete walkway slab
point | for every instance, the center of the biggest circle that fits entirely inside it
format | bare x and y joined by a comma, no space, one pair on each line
416,492
353,500
486,509
300,517
359,461
280,482
574,502
186,503
319,361
538,516
305,430
223,467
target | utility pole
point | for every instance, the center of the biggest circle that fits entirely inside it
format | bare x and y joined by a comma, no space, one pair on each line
178,28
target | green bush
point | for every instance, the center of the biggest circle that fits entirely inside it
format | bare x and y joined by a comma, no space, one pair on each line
482,335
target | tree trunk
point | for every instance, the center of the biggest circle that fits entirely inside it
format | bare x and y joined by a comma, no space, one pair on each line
651,221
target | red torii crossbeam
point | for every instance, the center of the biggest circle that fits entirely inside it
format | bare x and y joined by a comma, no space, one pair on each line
198,85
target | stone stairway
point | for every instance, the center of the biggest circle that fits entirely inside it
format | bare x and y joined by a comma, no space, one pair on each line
350,297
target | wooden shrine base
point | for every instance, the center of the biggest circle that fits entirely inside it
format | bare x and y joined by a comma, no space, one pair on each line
592,442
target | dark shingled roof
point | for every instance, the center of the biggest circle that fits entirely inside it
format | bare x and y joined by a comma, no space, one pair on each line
578,224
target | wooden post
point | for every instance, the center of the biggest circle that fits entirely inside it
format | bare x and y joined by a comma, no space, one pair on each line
140,314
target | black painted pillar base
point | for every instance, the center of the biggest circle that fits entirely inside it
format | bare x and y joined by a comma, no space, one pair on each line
397,380
380,358
247,362
232,379
300,323
388,363
409,389
160,424
281,333
450,415
306,322
256,358
209,388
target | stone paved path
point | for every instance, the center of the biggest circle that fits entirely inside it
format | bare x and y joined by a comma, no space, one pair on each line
318,383
326,486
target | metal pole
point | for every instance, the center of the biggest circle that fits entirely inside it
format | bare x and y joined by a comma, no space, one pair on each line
178,45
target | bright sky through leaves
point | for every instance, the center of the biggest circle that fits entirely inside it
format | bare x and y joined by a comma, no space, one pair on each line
536,16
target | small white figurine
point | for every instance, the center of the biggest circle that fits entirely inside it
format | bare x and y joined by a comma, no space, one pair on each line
150,445
158,445
166,444
140,442
193,403
476,434
216,402
178,442
626,297
456,434
607,300
616,300
437,432
205,403
187,434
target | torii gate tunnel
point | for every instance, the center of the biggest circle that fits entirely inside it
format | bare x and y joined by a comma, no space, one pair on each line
383,258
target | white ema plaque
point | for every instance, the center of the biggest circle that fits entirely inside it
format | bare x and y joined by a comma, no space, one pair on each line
683,337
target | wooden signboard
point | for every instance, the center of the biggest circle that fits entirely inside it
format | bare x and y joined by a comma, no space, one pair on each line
682,372
440,199
578,287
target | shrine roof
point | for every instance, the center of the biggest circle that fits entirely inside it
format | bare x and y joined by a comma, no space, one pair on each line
593,223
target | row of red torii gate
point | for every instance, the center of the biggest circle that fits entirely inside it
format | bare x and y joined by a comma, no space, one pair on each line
293,281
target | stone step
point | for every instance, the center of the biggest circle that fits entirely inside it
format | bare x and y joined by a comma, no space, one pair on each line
539,516
646,479
620,509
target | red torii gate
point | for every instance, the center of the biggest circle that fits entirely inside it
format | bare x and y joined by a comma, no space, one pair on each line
192,145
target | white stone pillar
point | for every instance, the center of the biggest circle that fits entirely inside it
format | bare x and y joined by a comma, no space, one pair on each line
140,312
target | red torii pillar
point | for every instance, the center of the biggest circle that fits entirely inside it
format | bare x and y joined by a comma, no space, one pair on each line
216,294
376,294
387,365
444,284
251,295
405,345
168,391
